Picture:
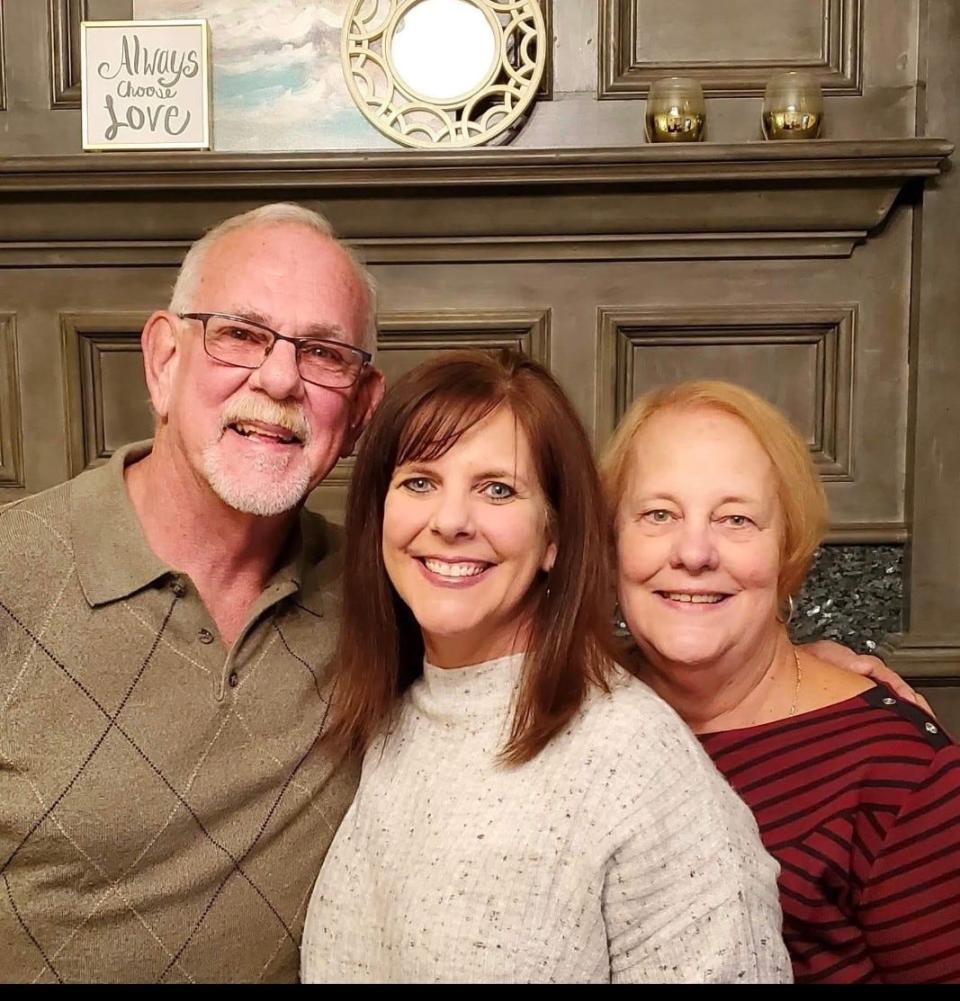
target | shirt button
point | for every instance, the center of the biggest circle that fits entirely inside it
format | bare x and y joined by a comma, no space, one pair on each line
233,680
930,728
205,636
178,587
889,702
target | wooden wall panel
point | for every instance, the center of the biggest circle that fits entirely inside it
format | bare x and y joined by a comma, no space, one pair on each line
106,397
105,393
11,430
408,338
800,358
731,46
3,89
65,18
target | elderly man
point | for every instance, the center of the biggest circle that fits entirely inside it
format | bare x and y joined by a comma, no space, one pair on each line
165,622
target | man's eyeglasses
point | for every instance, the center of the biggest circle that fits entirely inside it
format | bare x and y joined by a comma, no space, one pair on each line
245,344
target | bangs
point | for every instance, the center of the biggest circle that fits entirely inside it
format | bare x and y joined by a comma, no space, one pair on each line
439,422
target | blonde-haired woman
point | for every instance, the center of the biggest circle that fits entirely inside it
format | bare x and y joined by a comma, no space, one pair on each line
718,511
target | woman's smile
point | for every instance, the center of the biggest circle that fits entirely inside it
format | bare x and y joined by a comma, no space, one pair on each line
465,540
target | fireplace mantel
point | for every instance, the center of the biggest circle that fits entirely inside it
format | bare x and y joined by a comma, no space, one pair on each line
764,199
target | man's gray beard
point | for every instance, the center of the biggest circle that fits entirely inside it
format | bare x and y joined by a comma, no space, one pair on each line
284,492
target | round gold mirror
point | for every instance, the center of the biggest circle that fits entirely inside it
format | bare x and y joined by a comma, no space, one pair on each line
432,73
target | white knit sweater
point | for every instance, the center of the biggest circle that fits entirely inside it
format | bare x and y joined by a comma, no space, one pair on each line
618,853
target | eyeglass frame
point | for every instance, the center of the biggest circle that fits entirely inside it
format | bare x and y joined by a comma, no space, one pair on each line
365,356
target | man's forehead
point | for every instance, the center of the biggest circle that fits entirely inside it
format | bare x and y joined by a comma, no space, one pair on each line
285,238
286,276
251,312
307,261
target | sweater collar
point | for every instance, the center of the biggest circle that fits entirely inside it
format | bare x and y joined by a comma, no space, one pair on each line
478,695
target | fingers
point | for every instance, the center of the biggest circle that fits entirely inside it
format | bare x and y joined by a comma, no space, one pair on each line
875,669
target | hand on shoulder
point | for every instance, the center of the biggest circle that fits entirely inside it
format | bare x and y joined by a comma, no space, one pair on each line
865,666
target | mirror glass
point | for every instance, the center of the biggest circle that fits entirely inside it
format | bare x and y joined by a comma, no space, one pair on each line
443,49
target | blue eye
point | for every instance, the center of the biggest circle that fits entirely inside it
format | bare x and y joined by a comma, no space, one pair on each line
738,520
499,491
416,484
657,517
243,335
319,351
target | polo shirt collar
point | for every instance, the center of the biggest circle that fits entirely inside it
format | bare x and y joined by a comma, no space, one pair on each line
112,556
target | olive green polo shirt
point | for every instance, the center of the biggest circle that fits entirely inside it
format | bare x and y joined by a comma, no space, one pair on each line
165,804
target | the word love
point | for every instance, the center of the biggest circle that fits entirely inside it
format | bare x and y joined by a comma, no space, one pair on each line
156,117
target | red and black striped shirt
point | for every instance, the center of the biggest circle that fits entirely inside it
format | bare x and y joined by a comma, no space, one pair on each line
860,804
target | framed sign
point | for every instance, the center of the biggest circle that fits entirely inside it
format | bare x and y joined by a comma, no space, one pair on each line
145,84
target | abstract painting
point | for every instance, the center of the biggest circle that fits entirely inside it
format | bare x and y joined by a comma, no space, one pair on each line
277,80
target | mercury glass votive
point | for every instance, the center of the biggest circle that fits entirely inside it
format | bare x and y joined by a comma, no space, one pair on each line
792,106
675,111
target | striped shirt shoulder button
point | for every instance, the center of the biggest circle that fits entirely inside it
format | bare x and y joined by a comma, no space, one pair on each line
205,636
233,680
931,732
178,587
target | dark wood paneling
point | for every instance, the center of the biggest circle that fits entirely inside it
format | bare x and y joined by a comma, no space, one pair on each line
756,347
11,430
731,46
407,339
3,63
757,200
106,397
105,394
930,645
65,19
545,90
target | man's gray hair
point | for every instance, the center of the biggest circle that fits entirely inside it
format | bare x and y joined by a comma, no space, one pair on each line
278,213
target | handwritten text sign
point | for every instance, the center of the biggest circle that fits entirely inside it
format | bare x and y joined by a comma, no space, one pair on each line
145,85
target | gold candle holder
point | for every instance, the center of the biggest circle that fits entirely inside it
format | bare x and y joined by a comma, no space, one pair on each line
792,107
676,112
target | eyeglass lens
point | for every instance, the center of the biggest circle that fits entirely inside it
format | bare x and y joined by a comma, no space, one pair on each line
247,345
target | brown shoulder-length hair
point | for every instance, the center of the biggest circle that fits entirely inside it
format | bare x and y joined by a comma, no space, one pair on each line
381,647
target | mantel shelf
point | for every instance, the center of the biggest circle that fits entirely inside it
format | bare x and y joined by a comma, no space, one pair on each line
755,199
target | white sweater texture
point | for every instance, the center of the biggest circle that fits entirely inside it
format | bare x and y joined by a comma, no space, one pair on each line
617,854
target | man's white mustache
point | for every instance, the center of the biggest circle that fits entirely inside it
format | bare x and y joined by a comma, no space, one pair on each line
289,416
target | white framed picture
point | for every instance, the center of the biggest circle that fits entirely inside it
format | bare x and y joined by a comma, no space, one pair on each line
145,84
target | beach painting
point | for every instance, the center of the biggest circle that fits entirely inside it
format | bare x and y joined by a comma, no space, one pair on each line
277,78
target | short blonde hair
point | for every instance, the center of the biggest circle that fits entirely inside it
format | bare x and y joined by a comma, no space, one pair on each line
799,490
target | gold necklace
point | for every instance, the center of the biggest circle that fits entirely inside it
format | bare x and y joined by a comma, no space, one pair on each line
796,691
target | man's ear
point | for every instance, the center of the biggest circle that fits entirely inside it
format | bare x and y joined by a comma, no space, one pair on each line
161,357
366,399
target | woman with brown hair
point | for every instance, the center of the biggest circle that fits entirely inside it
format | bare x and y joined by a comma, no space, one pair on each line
718,512
527,811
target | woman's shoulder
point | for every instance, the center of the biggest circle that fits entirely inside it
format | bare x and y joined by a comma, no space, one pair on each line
629,701
649,761
824,684
632,724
